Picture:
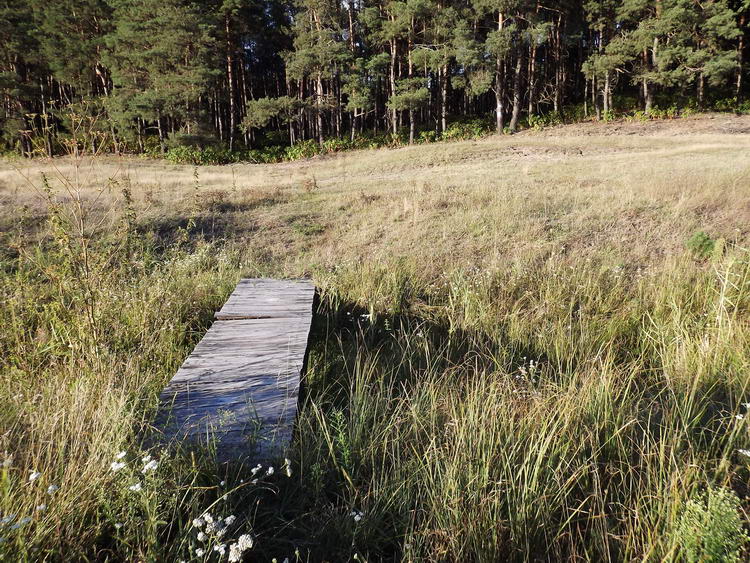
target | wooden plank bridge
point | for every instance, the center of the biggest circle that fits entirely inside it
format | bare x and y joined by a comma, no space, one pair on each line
239,387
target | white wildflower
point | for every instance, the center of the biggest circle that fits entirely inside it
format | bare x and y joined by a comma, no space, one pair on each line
120,455
739,416
229,520
198,522
208,518
146,458
150,466
255,469
22,522
115,466
269,472
34,475
202,536
41,508
357,515
199,552
222,483
211,527
245,542
52,489
118,525
235,554
135,487
220,548
254,482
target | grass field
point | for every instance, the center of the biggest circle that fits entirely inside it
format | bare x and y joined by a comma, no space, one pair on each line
529,347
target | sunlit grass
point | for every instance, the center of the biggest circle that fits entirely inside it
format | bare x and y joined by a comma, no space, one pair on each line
474,392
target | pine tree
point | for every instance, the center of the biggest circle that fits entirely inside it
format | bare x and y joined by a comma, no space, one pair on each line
159,56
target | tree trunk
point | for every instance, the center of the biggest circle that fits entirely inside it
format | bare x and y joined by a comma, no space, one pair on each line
394,113
319,110
162,141
586,98
444,100
595,97
558,66
516,92
230,80
532,78
607,93
740,61
499,83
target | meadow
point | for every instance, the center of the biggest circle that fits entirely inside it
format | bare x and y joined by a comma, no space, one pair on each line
528,347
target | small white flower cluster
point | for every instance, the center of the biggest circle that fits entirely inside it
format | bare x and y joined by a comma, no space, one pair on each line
244,543
210,528
20,523
10,520
213,526
741,416
357,515
149,466
530,372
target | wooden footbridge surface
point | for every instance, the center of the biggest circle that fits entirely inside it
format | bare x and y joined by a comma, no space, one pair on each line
239,387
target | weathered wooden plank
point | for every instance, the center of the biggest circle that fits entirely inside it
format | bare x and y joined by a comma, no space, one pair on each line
239,387
264,297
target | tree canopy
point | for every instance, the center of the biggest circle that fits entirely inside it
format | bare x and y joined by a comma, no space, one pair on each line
246,71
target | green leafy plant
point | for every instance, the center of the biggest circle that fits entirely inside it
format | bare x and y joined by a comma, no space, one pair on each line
710,527
701,245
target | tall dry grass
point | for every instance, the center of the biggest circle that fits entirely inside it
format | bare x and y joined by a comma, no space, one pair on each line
521,366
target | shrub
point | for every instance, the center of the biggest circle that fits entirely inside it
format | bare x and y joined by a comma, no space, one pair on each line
710,528
198,156
427,137
462,130
302,149
701,245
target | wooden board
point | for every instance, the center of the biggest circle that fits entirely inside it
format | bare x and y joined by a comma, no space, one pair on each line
239,387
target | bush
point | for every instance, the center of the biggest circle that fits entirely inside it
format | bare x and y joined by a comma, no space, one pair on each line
701,245
202,157
710,527
302,149
462,130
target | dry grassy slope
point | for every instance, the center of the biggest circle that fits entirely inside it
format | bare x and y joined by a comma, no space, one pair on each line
630,192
